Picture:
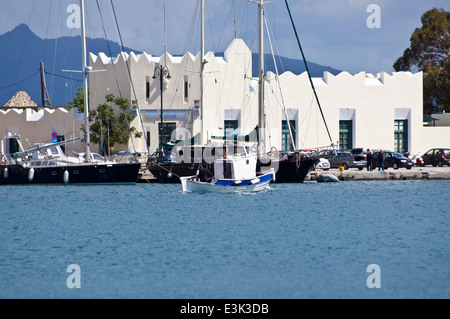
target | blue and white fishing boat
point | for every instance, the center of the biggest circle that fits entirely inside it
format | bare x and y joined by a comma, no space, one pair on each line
233,174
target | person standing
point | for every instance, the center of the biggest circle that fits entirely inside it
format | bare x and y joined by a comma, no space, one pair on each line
369,159
381,158
205,174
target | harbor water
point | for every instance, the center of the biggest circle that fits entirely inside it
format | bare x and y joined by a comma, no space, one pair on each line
292,241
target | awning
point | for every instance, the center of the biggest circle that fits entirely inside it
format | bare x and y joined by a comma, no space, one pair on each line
429,119
250,137
187,142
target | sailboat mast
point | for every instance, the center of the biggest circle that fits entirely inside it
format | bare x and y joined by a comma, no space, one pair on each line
261,118
202,66
85,84
235,21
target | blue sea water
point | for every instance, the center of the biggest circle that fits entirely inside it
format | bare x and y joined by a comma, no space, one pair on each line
293,241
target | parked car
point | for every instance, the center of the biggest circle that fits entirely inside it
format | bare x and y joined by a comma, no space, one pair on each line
324,156
437,157
393,159
347,160
327,153
323,163
358,151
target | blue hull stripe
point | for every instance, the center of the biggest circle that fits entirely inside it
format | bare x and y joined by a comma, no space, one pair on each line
244,182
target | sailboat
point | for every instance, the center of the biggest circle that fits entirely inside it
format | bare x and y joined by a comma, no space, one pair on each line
47,163
162,166
290,169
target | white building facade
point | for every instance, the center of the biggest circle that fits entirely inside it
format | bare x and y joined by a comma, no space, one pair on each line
362,110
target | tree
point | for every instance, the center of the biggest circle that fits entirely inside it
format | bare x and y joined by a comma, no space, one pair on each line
107,129
430,52
78,100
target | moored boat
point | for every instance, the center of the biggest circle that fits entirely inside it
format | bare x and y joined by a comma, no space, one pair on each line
45,164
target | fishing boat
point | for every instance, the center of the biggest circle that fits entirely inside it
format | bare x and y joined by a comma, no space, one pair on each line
232,174
47,164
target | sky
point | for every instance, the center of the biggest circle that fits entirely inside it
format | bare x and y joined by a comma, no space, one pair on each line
349,35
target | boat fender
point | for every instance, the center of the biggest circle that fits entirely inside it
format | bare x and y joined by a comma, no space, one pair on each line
169,175
6,173
254,181
31,174
237,182
66,177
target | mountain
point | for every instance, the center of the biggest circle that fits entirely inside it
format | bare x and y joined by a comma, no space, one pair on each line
294,65
22,50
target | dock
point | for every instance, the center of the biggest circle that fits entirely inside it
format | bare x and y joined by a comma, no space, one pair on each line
353,174
415,173
146,178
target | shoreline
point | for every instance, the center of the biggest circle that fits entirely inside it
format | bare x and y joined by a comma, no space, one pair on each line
415,173
353,174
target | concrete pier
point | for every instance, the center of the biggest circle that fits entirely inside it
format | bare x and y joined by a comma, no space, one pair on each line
415,173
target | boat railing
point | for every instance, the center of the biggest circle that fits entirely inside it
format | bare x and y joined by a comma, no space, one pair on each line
7,159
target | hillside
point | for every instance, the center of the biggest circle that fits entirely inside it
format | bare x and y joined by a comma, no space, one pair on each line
22,50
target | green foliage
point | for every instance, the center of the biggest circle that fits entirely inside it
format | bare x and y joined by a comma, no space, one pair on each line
78,100
107,128
429,52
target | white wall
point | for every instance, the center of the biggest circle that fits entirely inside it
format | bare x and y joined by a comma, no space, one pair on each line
372,102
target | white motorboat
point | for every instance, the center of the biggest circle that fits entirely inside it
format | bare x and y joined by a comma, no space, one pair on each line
233,174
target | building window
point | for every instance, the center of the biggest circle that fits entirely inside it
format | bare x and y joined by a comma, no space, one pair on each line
286,140
401,136
147,87
345,134
167,130
229,126
186,90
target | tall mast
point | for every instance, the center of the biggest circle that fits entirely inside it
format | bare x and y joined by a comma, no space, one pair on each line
202,66
261,118
85,83
235,21
165,40
45,97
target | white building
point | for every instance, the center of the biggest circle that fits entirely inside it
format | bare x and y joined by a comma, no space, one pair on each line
362,110
22,117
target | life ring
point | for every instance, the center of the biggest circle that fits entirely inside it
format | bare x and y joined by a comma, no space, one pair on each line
274,151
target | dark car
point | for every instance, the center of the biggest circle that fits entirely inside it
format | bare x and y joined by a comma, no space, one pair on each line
393,159
347,160
437,157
